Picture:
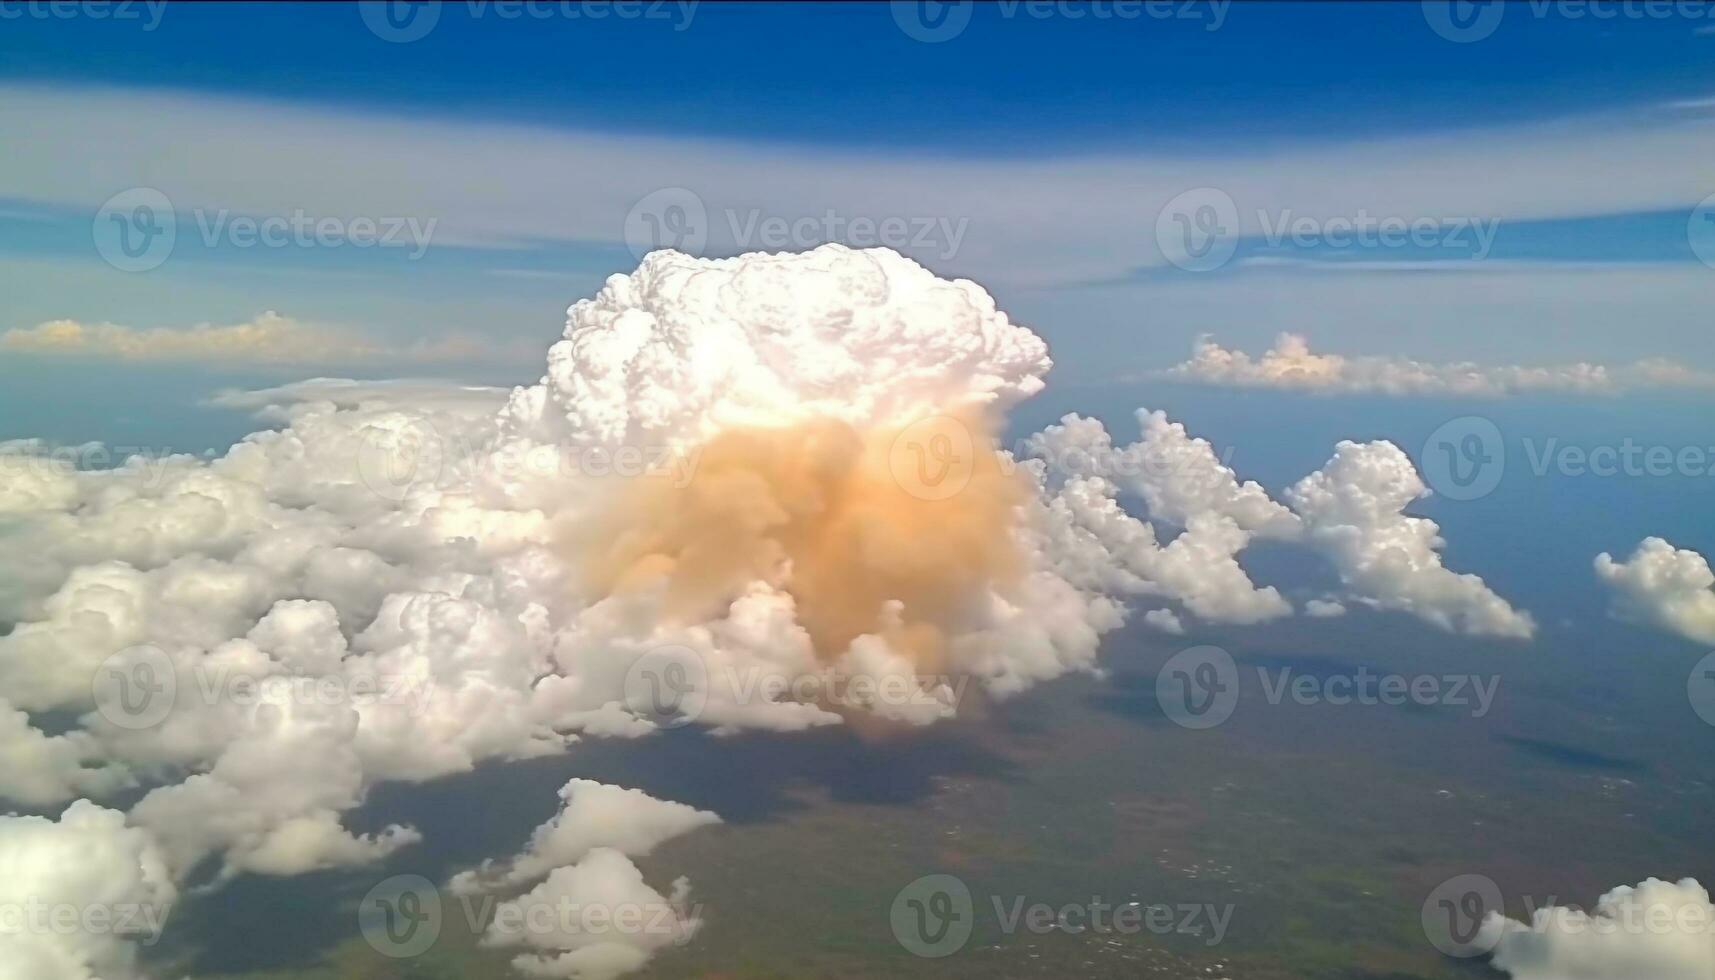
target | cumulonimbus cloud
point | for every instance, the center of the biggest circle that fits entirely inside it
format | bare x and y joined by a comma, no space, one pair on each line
406,580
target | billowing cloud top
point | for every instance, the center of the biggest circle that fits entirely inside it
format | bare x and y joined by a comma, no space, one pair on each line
685,347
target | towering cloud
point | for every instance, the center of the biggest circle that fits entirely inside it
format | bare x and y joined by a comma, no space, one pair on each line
1667,587
750,493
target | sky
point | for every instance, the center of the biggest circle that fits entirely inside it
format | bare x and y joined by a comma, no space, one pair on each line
1396,312
474,181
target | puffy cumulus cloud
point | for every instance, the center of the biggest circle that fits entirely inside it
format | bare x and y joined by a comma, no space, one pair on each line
770,483
1292,365
89,865
593,920
1353,510
1671,588
1656,931
267,338
594,815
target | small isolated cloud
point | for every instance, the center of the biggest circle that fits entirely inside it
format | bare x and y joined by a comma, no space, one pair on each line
267,338
1671,588
1291,365
594,815
1656,931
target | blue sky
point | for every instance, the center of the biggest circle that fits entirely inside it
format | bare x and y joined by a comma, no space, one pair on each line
1038,151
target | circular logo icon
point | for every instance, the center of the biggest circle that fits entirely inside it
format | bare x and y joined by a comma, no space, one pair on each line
1464,458
932,21
1700,231
1700,689
400,21
1198,688
394,462
933,458
1198,231
1464,21
669,686
932,917
136,687
136,229
671,217
1455,912
401,916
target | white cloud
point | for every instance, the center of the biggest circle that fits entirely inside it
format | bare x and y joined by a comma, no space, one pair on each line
1070,218
387,587
1354,511
593,815
1667,587
87,863
267,338
1291,365
1656,931
593,920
